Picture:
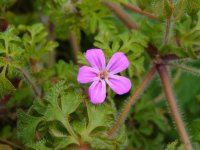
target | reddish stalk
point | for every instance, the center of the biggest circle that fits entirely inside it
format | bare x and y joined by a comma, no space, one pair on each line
125,18
35,88
173,107
139,11
133,98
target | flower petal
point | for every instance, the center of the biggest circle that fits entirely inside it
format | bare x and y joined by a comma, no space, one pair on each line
97,92
119,84
87,74
96,58
117,63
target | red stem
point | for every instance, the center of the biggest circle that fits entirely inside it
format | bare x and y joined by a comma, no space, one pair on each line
35,88
162,70
139,11
128,105
125,18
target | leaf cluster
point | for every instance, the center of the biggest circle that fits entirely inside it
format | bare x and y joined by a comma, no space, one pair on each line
64,119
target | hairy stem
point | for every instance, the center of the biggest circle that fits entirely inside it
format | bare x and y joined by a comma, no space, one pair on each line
124,17
185,68
139,11
74,44
128,105
162,70
35,88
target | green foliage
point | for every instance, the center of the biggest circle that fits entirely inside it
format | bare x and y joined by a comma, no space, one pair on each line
35,41
57,129
128,43
6,86
173,146
10,49
147,121
188,34
6,3
27,126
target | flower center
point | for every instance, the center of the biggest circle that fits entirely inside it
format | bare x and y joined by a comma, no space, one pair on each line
103,74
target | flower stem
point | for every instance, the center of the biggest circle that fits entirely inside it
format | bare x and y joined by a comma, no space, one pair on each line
128,105
35,88
162,70
139,11
124,17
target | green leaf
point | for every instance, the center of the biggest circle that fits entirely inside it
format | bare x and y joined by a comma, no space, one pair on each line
80,126
99,116
6,86
27,125
35,41
61,143
180,8
195,130
40,145
172,146
70,103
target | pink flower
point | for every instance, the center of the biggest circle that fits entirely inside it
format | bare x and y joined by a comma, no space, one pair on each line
100,74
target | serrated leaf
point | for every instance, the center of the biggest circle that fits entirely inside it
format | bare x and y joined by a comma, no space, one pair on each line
70,103
172,146
6,86
180,8
99,116
40,145
61,143
99,143
80,126
27,125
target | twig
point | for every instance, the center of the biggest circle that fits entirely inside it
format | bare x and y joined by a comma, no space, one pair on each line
185,68
74,44
173,106
35,88
128,105
139,11
11,144
125,18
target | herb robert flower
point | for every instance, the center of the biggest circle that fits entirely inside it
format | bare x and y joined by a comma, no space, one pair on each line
100,74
